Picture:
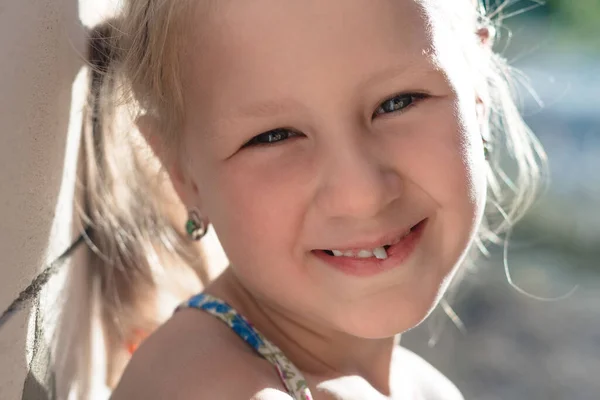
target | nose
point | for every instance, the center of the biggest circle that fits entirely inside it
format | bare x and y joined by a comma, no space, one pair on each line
358,180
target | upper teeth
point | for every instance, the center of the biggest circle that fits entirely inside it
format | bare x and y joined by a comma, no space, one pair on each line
378,252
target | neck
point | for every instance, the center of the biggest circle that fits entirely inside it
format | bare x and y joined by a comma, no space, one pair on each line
319,352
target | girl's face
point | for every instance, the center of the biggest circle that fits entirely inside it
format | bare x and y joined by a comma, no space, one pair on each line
375,131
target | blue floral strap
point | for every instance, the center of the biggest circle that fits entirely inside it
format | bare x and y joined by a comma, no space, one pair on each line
290,375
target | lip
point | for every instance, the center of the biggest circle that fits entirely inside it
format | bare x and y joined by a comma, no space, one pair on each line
365,267
372,244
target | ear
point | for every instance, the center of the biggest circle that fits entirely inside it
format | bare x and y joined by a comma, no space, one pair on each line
486,35
182,183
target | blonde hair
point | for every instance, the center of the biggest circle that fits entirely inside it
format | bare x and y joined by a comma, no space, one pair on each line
136,251
136,69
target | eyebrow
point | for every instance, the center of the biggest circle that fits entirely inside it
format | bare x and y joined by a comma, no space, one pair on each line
413,67
270,108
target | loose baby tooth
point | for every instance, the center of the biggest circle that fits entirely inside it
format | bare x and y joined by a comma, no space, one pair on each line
380,253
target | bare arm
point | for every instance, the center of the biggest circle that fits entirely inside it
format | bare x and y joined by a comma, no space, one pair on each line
187,360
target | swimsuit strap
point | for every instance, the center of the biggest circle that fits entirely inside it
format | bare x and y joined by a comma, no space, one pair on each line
290,375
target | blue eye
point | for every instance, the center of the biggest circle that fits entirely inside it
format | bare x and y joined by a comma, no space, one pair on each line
273,136
398,103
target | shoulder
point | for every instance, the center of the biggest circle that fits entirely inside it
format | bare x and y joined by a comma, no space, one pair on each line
430,383
195,356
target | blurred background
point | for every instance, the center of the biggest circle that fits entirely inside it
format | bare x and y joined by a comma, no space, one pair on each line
512,346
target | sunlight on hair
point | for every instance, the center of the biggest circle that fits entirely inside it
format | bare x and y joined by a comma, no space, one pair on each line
509,275
93,12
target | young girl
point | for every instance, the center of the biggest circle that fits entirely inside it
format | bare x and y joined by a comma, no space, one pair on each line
341,150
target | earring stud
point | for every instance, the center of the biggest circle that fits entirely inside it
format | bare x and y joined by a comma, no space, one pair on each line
195,227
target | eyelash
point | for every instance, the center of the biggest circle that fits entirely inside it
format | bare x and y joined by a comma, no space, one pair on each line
279,131
413,99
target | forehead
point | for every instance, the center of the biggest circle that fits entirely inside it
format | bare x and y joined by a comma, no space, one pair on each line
278,45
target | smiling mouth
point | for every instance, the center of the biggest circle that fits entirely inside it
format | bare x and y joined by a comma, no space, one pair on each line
380,253
366,263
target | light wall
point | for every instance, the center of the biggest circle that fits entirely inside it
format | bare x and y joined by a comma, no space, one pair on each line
41,93
39,45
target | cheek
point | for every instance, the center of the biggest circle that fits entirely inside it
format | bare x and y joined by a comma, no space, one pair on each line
258,214
457,182
256,208
443,158
448,158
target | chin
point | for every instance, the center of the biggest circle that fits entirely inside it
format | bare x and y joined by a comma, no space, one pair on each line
388,318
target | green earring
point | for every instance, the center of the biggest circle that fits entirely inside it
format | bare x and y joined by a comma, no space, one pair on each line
195,227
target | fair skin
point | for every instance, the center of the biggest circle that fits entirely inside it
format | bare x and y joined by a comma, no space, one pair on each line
346,173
